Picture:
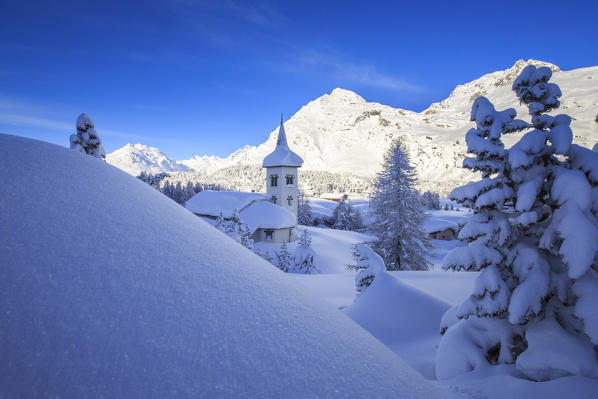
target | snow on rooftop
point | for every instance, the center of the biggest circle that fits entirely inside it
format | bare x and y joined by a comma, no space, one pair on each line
266,215
432,225
282,154
212,203
113,290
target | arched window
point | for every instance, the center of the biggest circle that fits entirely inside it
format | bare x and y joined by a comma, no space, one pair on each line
273,199
290,180
273,180
290,200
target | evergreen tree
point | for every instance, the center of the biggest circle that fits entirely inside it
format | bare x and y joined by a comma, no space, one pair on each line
397,213
431,200
283,261
345,217
220,223
304,255
533,236
303,210
87,139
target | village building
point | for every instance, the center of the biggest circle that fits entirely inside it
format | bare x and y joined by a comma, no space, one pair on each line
439,229
271,216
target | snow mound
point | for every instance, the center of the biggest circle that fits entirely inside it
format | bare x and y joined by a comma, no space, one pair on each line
403,318
110,289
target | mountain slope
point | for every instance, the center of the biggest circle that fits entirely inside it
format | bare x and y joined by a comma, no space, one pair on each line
110,289
341,132
135,158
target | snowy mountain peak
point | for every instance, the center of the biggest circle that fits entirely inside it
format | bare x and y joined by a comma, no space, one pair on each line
135,158
344,95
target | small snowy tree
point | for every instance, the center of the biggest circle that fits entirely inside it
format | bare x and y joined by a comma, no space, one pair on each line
283,259
398,214
220,223
304,255
345,216
431,200
534,239
303,210
86,139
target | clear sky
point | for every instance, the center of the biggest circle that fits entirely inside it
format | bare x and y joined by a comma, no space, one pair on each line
207,77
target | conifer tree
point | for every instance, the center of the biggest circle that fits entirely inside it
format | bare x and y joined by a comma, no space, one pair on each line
533,236
397,213
284,261
304,255
303,210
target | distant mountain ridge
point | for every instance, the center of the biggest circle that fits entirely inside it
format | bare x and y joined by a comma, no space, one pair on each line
342,132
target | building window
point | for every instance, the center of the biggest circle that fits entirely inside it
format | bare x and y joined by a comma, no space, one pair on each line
268,234
273,180
290,200
273,199
290,180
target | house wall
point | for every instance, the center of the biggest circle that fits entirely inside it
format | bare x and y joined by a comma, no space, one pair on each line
282,191
446,235
278,235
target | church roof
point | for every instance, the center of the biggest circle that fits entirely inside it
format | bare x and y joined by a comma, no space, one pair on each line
282,154
213,203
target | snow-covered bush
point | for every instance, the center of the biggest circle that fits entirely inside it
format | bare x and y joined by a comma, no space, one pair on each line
396,208
367,263
535,239
86,139
303,258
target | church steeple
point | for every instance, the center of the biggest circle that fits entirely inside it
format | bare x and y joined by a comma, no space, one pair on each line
282,154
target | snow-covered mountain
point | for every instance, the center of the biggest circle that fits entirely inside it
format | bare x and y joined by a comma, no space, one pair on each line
342,132
135,158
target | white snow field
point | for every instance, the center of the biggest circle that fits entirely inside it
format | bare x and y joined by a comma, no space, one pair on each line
110,289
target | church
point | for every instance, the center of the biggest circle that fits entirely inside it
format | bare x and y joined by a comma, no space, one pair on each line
271,216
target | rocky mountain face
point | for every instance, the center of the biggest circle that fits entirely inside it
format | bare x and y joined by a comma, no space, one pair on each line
341,132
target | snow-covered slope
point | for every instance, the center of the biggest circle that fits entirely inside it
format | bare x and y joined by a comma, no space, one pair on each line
110,289
135,158
340,130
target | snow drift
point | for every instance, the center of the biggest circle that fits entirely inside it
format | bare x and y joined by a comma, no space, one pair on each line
110,289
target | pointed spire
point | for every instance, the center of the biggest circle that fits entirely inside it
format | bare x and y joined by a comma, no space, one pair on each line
282,154
281,141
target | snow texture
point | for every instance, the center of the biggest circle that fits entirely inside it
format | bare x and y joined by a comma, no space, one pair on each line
213,203
113,290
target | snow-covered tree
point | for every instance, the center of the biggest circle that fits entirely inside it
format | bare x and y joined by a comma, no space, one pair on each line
303,210
283,259
398,214
345,216
430,200
534,238
86,139
220,223
304,255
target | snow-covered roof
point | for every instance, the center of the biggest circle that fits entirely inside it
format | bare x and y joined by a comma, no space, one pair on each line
282,154
212,203
433,225
137,297
266,215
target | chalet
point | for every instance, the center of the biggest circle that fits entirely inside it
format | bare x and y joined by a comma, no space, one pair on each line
439,229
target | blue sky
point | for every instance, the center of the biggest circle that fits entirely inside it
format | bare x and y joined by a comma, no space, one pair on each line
206,77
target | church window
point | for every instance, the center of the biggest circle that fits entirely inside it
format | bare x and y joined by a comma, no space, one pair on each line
273,180
290,180
273,199
290,200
